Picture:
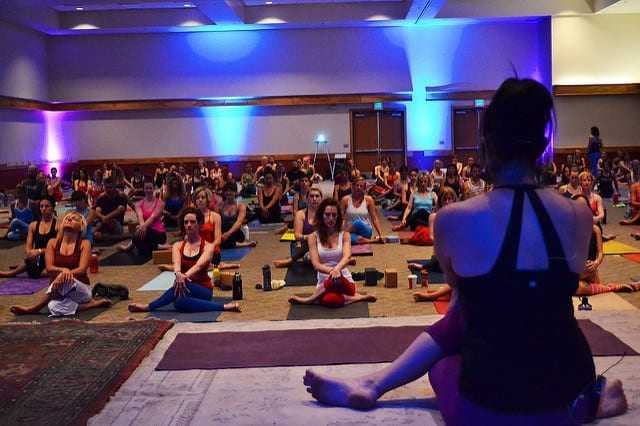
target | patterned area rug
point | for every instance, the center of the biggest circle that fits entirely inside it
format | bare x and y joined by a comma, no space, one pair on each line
62,373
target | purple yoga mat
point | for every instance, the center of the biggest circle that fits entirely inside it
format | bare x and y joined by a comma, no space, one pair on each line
322,346
22,285
361,250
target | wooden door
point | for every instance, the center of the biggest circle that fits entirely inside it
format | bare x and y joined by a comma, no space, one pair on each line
375,134
467,123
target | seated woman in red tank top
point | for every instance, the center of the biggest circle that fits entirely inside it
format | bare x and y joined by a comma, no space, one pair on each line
67,259
192,288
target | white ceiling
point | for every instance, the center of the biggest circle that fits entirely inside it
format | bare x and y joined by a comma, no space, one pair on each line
55,17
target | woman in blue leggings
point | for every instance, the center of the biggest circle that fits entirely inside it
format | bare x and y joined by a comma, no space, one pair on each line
192,289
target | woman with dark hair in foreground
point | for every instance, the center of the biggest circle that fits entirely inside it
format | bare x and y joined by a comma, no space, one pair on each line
527,362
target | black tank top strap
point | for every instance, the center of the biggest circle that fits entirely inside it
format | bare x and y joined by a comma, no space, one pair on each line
509,250
508,256
555,252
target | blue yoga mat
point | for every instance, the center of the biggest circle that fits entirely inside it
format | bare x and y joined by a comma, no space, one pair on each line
159,283
168,313
234,254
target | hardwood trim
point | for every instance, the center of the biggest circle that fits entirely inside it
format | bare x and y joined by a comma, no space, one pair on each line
596,89
19,103
166,104
458,95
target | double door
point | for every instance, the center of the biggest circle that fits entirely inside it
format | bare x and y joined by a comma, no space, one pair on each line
467,127
376,134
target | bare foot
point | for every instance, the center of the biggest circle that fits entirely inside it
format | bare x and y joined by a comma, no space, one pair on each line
227,265
355,393
352,261
636,235
613,401
95,303
125,246
281,230
21,310
397,228
102,303
137,307
422,297
165,267
297,300
282,263
232,307
368,298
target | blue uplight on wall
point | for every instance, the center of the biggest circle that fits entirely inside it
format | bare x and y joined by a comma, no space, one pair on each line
229,130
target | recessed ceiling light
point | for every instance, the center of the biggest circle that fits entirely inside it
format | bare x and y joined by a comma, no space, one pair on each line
79,8
268,2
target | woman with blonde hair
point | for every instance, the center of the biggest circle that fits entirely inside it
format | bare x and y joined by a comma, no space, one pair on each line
67,260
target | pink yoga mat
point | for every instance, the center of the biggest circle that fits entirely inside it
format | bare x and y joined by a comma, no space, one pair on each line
322,346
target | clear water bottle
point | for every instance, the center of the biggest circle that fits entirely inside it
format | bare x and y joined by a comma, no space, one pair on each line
266,278
237,286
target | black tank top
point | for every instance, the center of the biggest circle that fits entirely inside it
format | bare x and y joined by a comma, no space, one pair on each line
40,240
524,352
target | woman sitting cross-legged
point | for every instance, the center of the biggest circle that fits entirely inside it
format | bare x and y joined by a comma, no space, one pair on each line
39,234
150,231
233,214
421,203
447,196
589,283
192,289
23,212
330,250
359,211
67,259
211,229
303,223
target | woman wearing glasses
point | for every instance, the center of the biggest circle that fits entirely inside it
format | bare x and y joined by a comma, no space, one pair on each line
330,250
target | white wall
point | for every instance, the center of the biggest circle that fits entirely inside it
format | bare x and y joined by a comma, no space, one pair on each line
617,117
598,49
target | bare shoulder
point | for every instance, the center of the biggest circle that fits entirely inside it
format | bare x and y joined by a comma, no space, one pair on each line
85,245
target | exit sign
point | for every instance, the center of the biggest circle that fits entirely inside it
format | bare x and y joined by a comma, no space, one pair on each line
377,106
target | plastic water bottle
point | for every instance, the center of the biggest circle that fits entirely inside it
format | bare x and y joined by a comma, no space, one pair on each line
266,278
93,265
237,286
